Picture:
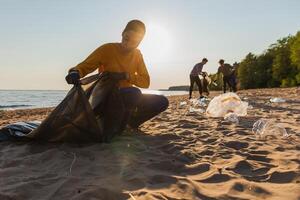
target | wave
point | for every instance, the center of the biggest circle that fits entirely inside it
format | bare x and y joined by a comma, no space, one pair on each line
14,106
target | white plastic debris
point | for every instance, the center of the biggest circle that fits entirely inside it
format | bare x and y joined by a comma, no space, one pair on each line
231,117
227,103
277,100
265,127
250,107
200,110
183,103
199,102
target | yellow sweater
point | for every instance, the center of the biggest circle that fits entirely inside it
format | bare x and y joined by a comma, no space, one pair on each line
109,57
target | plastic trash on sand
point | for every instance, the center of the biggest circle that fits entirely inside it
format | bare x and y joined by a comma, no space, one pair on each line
277,100
196,110
199,102
231,117
265,127
227,103
183,103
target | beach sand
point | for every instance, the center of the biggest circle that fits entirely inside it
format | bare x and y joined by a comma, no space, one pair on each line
177,155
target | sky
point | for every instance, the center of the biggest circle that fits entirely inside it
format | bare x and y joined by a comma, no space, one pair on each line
41,39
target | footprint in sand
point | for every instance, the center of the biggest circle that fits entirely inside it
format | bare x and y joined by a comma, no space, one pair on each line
259,158
236,145
216,178
283,177
207,153
245,168
252,189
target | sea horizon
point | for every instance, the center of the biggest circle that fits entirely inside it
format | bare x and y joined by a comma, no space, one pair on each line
27,99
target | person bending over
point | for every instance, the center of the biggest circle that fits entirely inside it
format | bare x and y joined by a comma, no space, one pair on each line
194,77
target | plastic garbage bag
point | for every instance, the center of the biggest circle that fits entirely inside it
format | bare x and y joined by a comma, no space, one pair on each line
265,127
227,103
231,117
277,100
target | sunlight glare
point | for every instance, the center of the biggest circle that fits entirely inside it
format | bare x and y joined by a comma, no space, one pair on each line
157,44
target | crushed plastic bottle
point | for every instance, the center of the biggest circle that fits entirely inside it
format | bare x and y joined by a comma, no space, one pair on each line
227,103
265,127
231,117
196,110
277,100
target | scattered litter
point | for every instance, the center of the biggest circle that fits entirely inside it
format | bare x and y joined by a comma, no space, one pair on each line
277,100
265,127
197,110
231,117
227,103
245,98
250,107
199,102
183,103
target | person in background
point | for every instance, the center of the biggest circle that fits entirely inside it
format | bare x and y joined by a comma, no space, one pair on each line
227,72
126,62
194,77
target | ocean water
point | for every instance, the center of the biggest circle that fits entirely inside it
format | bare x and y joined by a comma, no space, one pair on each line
24,99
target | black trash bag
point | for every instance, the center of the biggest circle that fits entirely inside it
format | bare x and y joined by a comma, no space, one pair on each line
91,115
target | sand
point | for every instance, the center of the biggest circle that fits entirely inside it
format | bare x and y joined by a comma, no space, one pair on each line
177,155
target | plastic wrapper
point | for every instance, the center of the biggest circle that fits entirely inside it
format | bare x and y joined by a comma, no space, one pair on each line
227,103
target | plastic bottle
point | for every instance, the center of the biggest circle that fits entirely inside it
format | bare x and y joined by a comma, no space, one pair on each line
265,127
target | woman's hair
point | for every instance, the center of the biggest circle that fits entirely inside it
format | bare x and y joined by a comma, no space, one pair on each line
135,25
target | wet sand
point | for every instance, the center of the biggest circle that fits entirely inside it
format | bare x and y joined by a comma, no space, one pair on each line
177,155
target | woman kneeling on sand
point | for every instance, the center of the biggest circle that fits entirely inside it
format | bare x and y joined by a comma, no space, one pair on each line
126,61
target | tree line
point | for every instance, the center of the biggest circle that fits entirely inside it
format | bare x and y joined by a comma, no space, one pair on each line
278,66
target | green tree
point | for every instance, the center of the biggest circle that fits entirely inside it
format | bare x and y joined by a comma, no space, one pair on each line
263,70
295,56
246,71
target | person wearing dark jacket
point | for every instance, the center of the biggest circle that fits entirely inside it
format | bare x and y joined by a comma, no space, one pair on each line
126,63
227,72
194,77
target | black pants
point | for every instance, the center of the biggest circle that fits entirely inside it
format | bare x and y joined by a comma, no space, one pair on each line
228,80
141,107
193,80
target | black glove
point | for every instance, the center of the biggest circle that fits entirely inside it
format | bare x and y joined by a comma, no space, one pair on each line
73,77
118,75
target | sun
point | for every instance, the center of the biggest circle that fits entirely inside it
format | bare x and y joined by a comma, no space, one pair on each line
157,44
